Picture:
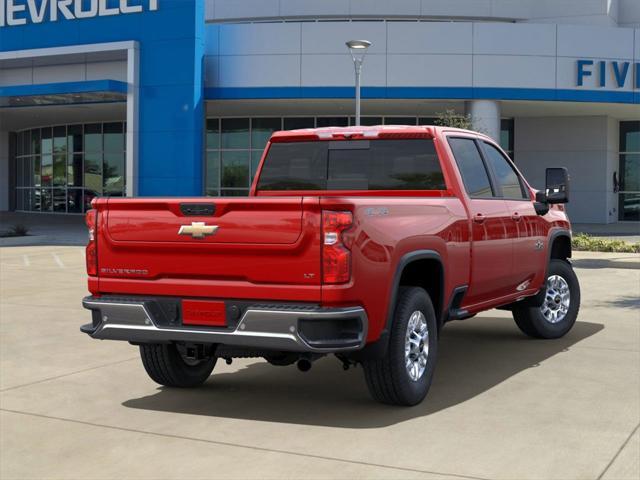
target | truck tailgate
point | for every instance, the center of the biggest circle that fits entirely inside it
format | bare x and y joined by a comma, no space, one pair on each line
217,248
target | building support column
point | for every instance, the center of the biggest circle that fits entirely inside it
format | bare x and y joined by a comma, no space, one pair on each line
133,118
4,171
485,117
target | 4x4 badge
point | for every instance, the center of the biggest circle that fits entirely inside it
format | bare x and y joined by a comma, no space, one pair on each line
539,244
197,229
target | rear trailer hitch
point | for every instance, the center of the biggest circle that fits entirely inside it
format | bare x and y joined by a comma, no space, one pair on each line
346,362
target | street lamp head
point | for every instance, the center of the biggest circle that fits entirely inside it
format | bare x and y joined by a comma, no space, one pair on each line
358,44
358,49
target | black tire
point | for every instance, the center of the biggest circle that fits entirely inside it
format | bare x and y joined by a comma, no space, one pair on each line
387,378
166,366
531,319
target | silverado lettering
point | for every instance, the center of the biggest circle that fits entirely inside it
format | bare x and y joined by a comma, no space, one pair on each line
361,242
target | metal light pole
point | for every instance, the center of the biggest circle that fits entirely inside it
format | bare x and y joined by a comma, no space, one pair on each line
358,49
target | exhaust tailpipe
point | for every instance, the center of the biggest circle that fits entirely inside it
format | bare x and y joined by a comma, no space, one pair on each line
304,364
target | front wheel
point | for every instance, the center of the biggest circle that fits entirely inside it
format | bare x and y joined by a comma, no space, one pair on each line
403,376
168,365
559,310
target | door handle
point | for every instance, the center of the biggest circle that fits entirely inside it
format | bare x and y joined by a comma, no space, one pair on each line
479,218
516,216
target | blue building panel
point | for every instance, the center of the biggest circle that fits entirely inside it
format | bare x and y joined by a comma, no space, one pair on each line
170,34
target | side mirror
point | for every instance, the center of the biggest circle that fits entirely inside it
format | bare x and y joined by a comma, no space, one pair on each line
557,185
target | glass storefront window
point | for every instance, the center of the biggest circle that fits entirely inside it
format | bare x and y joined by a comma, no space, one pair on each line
261,130
74,137
59,140
35,141
400,120
93,137
36,171
113,172
213,133
54,172
507,131
36,193
47,142
74,200
256,155
47,170
113,137
630,136
332,121
26,144
427,120
59,167
235,133
212,178
235,169
19,144
59,199
74,170
629,172
295,123
366,121
46,200
93,172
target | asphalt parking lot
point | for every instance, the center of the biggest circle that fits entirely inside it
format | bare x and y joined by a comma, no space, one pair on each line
501,406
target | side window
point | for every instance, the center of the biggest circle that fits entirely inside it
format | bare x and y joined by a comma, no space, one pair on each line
505,174
474,173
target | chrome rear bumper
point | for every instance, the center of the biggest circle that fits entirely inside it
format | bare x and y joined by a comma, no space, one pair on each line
304,329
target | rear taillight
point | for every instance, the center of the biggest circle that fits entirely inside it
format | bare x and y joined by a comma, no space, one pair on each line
336,258
91,219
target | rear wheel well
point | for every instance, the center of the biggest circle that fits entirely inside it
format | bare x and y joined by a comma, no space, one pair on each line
561,248
427,274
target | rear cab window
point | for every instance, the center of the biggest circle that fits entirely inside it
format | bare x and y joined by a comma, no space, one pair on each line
381,164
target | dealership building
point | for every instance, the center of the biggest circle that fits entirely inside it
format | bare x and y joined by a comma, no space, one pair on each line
178,97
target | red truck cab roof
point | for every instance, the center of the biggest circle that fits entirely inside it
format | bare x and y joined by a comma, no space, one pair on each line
363,132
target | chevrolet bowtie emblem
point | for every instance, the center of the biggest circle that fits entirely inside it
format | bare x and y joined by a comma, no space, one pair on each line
197,229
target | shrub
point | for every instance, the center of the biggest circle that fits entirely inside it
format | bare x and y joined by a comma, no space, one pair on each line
449,118
17,230
582,241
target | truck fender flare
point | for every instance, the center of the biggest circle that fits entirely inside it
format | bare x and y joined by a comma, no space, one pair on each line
537,299
406,259
378,348
553,236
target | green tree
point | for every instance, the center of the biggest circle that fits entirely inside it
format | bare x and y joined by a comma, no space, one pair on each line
450,118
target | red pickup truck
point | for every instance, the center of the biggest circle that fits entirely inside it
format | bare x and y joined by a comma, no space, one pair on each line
362,242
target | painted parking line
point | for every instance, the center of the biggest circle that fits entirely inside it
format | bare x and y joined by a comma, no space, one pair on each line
58,260
26,261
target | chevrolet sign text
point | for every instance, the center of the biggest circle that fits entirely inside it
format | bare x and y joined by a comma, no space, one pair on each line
22,12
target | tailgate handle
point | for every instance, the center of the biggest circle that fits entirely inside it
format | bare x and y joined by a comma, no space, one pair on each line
197,209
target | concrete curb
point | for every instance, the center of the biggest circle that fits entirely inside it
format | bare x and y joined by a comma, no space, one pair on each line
22,241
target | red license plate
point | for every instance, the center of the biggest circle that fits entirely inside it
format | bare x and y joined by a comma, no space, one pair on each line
204,312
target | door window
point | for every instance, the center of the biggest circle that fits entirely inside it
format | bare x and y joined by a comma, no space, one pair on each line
472,168
506,175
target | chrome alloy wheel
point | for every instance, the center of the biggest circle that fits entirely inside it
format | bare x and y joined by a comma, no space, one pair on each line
556,299
416,345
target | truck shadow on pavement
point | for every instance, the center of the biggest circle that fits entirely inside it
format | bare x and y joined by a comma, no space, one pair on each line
597,263
475,356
